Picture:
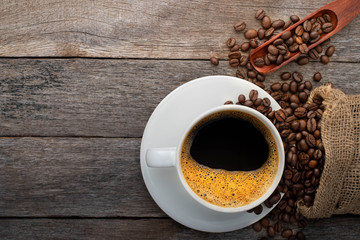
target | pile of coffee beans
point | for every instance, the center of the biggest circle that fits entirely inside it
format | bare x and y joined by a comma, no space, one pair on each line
281,49
298,39
299,125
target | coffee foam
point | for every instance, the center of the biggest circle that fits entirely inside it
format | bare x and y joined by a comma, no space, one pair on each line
229,188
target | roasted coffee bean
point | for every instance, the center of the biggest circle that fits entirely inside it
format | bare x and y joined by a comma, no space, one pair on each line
286,35
321,20
294,99
302,146
290,41
330,51
240,73
236,54
253,95
273,50
299,40
259,62
245,46
327,27
305,37
276,86
250,33
271,57
294,18
317,134
278,42
307,26
261,33
286,233
279,59
293,87
310,140
285,76
230,42
278,227
303,97
265,222
267,60
308,85
294,47
253,43
317,77
319,49
214,60
280,116
288,174
258,102
318,154
258,210
243,60
303,60
271,231
286,217
319,113
314,35
302,124
266,22
285,87
241,98
257,226
235,48
299,30
234,62
300,112
298,77
282,49
251,74
300,236
239,26
260,84
295,125
260,14
228,102
276,95
313,54
248,103
296,177
266,102
287,24
269,32
327,17
311,125
278,24
312,164
274,198
260,77
311,114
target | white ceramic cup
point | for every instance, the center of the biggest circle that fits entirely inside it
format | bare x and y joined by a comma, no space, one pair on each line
170,157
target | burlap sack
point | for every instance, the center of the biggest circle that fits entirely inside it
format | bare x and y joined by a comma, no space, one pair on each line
339,187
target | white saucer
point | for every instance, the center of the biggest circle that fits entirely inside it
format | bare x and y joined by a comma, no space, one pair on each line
164,129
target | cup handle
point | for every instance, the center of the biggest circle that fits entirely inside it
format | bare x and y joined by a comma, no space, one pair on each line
161,157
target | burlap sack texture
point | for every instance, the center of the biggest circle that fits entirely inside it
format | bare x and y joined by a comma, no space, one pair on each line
339,187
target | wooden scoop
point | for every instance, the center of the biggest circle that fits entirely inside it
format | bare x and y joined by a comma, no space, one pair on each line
342,12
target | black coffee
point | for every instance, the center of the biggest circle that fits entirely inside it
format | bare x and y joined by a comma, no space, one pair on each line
231,144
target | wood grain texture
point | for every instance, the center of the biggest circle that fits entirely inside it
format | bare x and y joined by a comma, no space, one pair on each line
86,177
10,229
111,98
144,29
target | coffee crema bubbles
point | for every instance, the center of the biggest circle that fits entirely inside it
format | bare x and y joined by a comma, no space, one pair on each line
226,188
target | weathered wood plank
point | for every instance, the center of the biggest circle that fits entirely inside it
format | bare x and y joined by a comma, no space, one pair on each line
97,177
137,29
333,228
111,98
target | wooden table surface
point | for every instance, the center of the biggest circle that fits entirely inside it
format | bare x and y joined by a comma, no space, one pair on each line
79,80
